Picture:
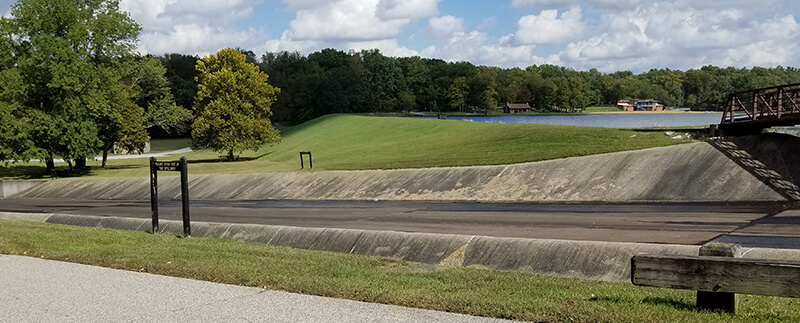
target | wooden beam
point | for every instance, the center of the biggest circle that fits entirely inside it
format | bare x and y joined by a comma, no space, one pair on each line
718,274
719,301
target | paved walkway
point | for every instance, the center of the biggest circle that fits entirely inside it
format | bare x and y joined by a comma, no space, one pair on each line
148,155
37,290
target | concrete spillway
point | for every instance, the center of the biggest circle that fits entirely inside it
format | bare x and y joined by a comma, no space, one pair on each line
759,168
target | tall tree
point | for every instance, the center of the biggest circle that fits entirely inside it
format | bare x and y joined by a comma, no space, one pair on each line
67,51
299,79
181,74
458,93
232,107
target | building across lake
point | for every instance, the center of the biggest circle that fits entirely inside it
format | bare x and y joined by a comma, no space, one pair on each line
631,105
513,108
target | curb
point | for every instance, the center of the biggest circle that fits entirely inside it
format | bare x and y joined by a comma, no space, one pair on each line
608,261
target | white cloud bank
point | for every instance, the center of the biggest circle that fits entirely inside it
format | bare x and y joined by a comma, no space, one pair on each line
609,35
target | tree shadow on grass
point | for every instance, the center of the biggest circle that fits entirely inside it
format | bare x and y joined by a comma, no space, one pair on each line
678,305
24,172
27,172
658,301
218,160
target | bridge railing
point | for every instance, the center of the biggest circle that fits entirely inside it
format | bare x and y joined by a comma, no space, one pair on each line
763,104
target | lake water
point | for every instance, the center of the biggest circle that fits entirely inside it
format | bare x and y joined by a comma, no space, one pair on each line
631,120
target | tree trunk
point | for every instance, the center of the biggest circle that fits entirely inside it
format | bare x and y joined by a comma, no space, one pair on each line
105,157
51,165
230,155
80,163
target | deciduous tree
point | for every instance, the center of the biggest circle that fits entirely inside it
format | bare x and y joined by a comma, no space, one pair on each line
232,108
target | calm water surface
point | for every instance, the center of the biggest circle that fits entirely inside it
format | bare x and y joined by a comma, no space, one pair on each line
606,120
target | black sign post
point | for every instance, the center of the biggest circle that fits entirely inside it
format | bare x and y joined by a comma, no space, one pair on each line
179,166
310,163
154,193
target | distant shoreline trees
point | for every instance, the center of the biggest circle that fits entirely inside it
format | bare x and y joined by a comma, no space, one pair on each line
334,81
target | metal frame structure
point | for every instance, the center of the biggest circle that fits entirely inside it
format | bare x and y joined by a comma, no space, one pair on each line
172,166
761,108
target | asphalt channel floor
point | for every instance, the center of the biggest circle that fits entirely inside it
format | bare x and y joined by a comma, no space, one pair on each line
752,224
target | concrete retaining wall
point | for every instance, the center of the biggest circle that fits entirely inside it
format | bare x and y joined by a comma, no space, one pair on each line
761,169
608,261
10,188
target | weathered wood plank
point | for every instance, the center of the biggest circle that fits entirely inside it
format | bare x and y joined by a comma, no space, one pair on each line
718,274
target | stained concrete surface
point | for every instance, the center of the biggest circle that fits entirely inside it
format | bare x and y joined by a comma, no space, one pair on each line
671,223
761,168
37,290
585,259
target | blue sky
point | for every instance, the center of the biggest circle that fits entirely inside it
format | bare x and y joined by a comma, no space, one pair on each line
609,35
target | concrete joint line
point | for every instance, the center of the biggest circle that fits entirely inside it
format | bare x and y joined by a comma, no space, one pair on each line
225,234
274,235
502,171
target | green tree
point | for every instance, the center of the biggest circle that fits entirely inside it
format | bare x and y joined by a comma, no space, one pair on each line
458,93
181,74
150,89
15,143
67,53
232,107
299,79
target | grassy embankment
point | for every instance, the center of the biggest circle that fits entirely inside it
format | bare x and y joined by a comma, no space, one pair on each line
512,295
348,142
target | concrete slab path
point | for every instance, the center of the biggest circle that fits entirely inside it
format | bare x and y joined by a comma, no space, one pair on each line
37,290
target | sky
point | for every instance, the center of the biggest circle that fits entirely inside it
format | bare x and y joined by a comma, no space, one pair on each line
609,35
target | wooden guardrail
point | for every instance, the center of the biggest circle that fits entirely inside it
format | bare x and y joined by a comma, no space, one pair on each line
718,278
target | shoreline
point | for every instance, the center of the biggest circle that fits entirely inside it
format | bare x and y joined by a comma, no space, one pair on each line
656,112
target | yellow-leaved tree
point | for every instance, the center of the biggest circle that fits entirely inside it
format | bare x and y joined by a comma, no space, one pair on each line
232,106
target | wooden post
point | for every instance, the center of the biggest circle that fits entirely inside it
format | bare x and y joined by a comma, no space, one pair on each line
717,301
154,193
187,229
301,160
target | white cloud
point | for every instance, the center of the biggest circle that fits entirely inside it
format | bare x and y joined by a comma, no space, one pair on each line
684,37
543,3
388,47
407,9
444,27
190,26
548,28
354,20
474,47
606,34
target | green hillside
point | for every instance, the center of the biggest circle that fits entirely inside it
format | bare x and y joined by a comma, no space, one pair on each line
349,142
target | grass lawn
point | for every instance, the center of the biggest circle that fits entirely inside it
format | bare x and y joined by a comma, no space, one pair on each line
600,109
350,142
167,145
511,295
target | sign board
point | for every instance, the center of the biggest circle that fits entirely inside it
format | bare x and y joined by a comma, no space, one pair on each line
170,166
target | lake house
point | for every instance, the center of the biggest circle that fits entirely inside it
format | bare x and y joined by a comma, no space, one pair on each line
512,108
630,105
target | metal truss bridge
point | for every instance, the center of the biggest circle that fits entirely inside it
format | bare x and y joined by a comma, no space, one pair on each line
750,112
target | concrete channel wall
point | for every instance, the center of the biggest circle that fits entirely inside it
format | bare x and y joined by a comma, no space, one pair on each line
609,261
713,171
10,188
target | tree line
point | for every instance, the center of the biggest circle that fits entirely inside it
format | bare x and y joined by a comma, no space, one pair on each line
72,86
335,81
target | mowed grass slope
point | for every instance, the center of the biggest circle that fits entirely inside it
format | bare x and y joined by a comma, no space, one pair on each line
350,142
511,295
